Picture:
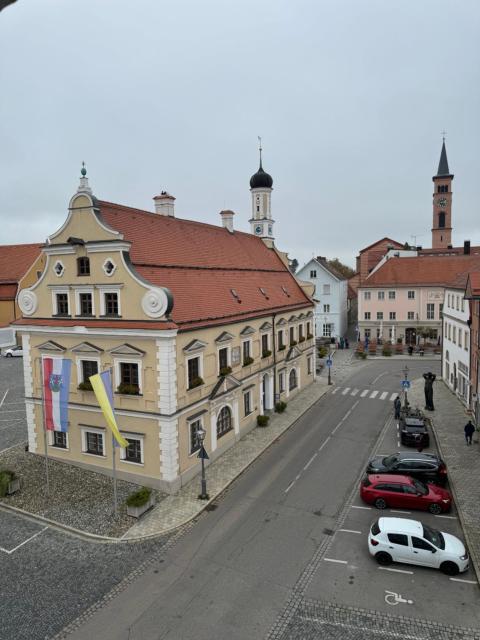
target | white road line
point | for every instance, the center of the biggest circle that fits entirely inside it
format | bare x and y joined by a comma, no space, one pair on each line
349,531
374,394
383,396
297,477
3,399
448,517
379,376
333,560
364,393
289,486
310,461
354,392
396,570
399,511
354,506
393,396
344,393
466,581
9,551
335,390
320,448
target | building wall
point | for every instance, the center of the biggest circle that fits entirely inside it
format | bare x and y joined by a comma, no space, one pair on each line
475,359
456,344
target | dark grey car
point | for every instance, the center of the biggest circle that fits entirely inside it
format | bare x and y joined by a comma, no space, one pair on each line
424,466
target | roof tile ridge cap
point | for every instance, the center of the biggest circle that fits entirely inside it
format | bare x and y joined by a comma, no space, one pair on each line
147,265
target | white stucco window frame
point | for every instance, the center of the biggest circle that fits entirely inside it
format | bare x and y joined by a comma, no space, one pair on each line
83,433
104,267
116,369
59,275
78,363
252,410
192,356
123,451
54,292
50,442
86,289
109,289
250,348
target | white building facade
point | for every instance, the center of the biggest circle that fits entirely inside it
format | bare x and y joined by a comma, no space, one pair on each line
456,343
331,311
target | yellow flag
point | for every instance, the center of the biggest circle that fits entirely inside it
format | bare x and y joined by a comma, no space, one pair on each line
101,384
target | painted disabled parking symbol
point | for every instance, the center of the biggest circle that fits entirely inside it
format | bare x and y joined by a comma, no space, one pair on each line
393,598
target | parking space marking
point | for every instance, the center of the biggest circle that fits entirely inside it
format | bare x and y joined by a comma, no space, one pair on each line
289,486
321,447
395,570
10,551
383,395
349,531
400,511
364,393
310,461
335,390
466,581
333,560
448,517
3,399
374,394
345,391
354,506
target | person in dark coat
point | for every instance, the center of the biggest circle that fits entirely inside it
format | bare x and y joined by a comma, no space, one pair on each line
397,405
469,431
429,380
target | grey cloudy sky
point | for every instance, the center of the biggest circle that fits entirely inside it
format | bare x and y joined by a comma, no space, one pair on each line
349,96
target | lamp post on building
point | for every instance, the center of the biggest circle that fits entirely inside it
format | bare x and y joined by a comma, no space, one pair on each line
203,455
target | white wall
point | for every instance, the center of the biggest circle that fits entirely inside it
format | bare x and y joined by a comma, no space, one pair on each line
456,358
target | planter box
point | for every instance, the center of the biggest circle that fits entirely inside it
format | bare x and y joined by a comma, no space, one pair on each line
13,486
136,512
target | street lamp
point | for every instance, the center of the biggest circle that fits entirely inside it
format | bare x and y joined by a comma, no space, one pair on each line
203,455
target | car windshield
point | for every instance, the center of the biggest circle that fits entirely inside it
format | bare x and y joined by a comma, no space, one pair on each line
434,536
420,487
389,460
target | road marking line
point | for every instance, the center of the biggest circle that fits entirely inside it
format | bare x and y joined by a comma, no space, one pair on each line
383,396
310,461
448,517
399,511
335,390
289,486
10,551
396,570
320,448
374,394
466,581
364,393
3,399
344,393
354,392
333,560
297,477
349,531
379,376
393,396
354,506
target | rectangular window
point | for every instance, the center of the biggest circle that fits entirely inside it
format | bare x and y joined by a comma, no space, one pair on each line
94,443
246,350
367,333
265,348
465,340
195,443
309,365
313,273
86,304
292,335
367,315
440,309
280,339
281,382
448,301
393,315
379,315
326,308
391,295
327,330
59,439
309,329
223,358
454,336
430,311
449,331
247,403
410,315
133,453
457,306
111,303
381,295
463,305
193,372
62,304
459,337
378,333
300,332
367,295
445,330
129,378
83,265
326,289
89,368
411,295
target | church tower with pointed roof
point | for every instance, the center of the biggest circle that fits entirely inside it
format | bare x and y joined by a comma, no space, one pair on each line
261,187
442,204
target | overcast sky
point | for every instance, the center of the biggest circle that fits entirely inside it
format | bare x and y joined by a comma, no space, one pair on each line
349,96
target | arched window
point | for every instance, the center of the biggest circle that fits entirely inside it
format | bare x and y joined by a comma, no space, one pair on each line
441,220
292,380
83,266
224,422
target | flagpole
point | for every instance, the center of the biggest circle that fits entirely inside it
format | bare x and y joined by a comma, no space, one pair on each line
44,430
114,470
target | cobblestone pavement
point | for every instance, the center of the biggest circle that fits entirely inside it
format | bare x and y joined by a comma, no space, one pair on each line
13,422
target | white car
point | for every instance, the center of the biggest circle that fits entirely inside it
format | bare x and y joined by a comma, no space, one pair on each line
13,352
412,542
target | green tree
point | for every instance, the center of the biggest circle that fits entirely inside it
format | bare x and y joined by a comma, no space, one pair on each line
345,270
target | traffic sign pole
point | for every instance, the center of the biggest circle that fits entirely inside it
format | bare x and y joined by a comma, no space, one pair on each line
329,366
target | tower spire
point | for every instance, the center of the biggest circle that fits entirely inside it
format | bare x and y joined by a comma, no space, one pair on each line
260,150
443,164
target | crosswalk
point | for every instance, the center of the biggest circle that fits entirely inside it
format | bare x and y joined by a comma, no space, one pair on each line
369,394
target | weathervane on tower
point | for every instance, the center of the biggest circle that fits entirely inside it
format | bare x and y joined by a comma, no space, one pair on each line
260,148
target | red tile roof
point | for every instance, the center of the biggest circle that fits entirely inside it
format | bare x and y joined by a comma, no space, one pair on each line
201,264
394,243
16,259
449,270
473,285
109,323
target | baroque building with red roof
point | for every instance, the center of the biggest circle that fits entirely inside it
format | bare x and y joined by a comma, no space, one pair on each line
203,326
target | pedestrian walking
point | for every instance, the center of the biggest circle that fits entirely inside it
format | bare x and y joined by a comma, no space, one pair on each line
347,344
397,405
469,431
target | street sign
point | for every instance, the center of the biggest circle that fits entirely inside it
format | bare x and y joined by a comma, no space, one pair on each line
202,454
406,384
329,362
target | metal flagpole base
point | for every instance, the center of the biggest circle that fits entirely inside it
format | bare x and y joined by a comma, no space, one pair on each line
203,496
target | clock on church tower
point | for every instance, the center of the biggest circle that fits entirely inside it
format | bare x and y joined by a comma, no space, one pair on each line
261,187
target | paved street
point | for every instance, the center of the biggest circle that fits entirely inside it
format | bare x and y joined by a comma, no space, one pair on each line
13,426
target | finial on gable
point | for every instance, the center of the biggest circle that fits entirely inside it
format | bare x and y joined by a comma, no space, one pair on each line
84,187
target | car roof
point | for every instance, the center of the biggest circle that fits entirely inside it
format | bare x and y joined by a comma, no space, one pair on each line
400,525
405,455
414,422
389,477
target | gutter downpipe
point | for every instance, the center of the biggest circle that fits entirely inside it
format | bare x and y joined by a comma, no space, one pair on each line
274,346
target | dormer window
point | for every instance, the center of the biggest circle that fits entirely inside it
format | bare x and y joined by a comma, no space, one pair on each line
83,266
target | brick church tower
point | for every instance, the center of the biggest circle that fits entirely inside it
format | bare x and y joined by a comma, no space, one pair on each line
442,204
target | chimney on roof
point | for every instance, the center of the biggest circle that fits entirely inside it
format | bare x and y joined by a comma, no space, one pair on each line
227,219
466,247
165,204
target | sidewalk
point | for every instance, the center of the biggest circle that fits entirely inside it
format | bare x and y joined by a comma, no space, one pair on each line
463,462
175,510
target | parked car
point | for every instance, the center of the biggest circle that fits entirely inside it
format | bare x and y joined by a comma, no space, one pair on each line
424,466
384,490
13,352
411,541
414,432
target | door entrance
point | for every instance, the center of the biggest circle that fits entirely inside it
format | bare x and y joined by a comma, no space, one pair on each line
411,336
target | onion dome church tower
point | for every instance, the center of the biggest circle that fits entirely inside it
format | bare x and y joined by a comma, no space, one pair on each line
261,189
442,204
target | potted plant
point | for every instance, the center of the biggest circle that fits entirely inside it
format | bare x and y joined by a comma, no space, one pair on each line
280,406
266,354
293,343
262,421
224,371
302,339
128,389
281,347
322,352
196,382
139,502
248,360
9,483
309,336
86,385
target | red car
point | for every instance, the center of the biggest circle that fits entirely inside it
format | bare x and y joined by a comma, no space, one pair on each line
405,492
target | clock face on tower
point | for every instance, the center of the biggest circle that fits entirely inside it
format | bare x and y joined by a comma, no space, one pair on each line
258,229
442,202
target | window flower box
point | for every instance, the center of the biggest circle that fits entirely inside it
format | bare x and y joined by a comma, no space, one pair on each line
140,502
309,336
266,354
195,382
225,371
302,339
248,360
86,385
293,343
281,347
128,389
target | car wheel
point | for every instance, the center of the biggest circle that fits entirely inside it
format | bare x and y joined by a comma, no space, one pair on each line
384,558
380,503
9,355
435,508
449,568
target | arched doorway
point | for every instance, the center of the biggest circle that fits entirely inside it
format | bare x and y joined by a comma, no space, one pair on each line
292,380
224,421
